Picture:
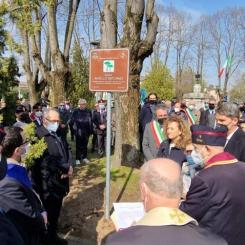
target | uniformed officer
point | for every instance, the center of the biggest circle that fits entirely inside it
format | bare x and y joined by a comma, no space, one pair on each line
163,223
216,195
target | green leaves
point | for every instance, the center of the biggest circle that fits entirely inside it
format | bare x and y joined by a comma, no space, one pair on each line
37,146
159,80
78,87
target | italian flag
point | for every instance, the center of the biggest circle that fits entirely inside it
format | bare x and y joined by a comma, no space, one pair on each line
157,132
190,115
227,64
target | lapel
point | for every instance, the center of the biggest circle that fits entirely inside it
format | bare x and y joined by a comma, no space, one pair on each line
232,142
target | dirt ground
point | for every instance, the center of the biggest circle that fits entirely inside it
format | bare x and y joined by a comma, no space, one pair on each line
82,214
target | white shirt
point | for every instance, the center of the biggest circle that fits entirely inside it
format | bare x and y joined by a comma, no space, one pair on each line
229,137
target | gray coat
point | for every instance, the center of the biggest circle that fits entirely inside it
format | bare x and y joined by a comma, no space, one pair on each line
150,148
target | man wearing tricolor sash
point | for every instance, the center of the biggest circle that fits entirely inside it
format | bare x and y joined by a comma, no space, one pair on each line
216,195
153,134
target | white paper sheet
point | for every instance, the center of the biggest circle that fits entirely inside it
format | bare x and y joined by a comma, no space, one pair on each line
127,213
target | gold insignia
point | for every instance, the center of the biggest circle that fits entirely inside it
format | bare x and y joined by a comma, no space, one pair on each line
177,216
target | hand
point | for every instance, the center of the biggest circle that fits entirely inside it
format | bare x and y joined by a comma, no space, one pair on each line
45,217
102,126
63,176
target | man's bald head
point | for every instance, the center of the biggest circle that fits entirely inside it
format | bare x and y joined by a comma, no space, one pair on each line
163,177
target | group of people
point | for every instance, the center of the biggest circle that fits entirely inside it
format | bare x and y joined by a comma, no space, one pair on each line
191,182
211,210
32,196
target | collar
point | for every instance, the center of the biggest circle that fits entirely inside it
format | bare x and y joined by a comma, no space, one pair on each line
161,216
230,135
13,161
222,158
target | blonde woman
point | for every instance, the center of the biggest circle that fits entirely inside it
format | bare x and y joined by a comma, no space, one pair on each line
178,136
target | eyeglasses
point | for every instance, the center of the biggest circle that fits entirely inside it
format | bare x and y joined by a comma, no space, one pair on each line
53,121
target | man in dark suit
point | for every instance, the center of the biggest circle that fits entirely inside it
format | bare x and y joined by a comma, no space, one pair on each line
18,200
9,235
81,120
207,117
163,223
215,198
50,174
228,114
99,121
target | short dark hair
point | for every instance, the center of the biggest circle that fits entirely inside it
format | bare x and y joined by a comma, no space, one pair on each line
148,97
36,106
228,109
12,140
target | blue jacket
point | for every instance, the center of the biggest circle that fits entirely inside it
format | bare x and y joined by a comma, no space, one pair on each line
175,154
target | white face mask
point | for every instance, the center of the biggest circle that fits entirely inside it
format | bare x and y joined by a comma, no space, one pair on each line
176,109
102,107
52,127
38,114
197,158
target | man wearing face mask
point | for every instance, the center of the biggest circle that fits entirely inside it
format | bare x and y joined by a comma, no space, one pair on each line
81,120
37,114
51,173
178,110
148,110
228,115
153,134
215,198
163,223
22,117
207,117
99,120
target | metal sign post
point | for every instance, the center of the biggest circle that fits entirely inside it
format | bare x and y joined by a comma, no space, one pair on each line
108,71
108,157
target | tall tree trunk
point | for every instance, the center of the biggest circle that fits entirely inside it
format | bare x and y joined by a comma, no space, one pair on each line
127,150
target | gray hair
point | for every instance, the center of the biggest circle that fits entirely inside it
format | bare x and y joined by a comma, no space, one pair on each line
228,109
46,112
159,184
160,107
82,101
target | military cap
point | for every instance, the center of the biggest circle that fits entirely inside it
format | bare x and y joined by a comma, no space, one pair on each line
204,135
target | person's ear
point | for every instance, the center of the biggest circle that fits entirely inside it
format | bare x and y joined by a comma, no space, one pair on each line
208,149
143,191
17,151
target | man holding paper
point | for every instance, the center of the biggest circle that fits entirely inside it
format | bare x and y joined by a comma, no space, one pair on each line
163,223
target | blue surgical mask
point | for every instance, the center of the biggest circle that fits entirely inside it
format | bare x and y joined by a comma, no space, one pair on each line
197,158
52,127
190,160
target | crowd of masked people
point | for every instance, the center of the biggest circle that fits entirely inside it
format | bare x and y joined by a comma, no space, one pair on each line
192,181
31,197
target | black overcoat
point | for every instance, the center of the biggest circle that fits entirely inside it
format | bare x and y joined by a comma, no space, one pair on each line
216,200
56,160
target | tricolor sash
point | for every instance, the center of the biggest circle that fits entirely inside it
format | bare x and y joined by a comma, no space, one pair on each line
190,115
157,132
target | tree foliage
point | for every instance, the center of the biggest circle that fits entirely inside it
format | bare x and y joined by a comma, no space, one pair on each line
8,72
160,81
237,93
78,87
